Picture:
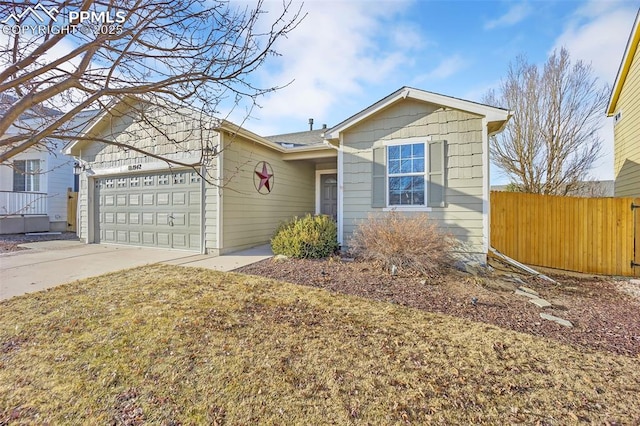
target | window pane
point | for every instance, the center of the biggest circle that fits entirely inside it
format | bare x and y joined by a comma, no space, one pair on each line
18,175
418,165
394,152
33,175
394,166
418,183
395,184
405,166
394,198
418,150
418,198
405,151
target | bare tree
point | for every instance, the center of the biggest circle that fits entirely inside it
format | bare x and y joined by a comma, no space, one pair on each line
551,142
60,58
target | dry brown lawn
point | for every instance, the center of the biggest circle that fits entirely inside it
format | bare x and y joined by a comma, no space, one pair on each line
171,345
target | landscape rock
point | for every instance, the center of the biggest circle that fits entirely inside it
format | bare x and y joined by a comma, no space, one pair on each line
280,258
556,319
541,303
471,267
519,292
528,290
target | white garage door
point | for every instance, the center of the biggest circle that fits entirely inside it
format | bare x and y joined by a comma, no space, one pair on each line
151,210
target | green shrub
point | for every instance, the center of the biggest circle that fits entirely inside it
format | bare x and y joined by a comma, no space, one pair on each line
309,237
412,243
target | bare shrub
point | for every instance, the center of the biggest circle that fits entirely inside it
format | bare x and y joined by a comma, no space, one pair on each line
414,244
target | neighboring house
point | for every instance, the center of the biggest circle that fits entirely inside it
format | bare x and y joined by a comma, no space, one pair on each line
624,107
34,184
33,191
413,151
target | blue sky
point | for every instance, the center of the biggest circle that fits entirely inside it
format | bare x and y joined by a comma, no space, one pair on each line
346,55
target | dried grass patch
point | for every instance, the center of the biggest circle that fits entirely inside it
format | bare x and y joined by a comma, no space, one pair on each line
170,345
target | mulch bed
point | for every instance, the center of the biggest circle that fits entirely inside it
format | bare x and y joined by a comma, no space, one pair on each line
604,316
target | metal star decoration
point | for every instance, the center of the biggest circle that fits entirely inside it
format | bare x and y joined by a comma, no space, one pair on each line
263,177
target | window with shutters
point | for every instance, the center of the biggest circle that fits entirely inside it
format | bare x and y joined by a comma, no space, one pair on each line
406,174
409,174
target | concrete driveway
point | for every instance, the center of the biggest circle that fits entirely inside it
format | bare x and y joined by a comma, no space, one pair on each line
51,263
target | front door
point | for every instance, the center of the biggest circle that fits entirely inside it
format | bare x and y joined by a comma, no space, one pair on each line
329,195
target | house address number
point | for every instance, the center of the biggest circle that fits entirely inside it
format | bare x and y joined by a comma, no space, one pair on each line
134,167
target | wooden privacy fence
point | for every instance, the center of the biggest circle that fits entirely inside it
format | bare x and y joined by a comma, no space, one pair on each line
590,235
72,210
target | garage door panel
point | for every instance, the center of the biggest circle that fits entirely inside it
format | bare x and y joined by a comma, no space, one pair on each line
134,237
179,240
147,218
179,198
149,238
157,210
163,199
134,199
162,218
163,239
178,219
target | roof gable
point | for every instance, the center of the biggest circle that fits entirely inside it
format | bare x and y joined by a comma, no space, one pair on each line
492,114
625,66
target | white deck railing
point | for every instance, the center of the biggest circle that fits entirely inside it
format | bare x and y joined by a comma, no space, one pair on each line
22,203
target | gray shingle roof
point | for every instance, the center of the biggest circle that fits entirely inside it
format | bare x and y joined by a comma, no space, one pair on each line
310,137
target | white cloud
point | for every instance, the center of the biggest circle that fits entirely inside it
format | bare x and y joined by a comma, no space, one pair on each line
337,50
597,33
446,68
515,14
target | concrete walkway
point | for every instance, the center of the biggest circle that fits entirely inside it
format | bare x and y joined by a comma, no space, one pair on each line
51,263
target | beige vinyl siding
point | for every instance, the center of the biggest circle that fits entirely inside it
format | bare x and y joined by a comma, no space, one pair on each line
175,136
627,134
250,218
409,119
211,215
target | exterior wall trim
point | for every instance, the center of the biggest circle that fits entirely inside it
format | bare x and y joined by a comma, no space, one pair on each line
341,191
486,206
219,201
